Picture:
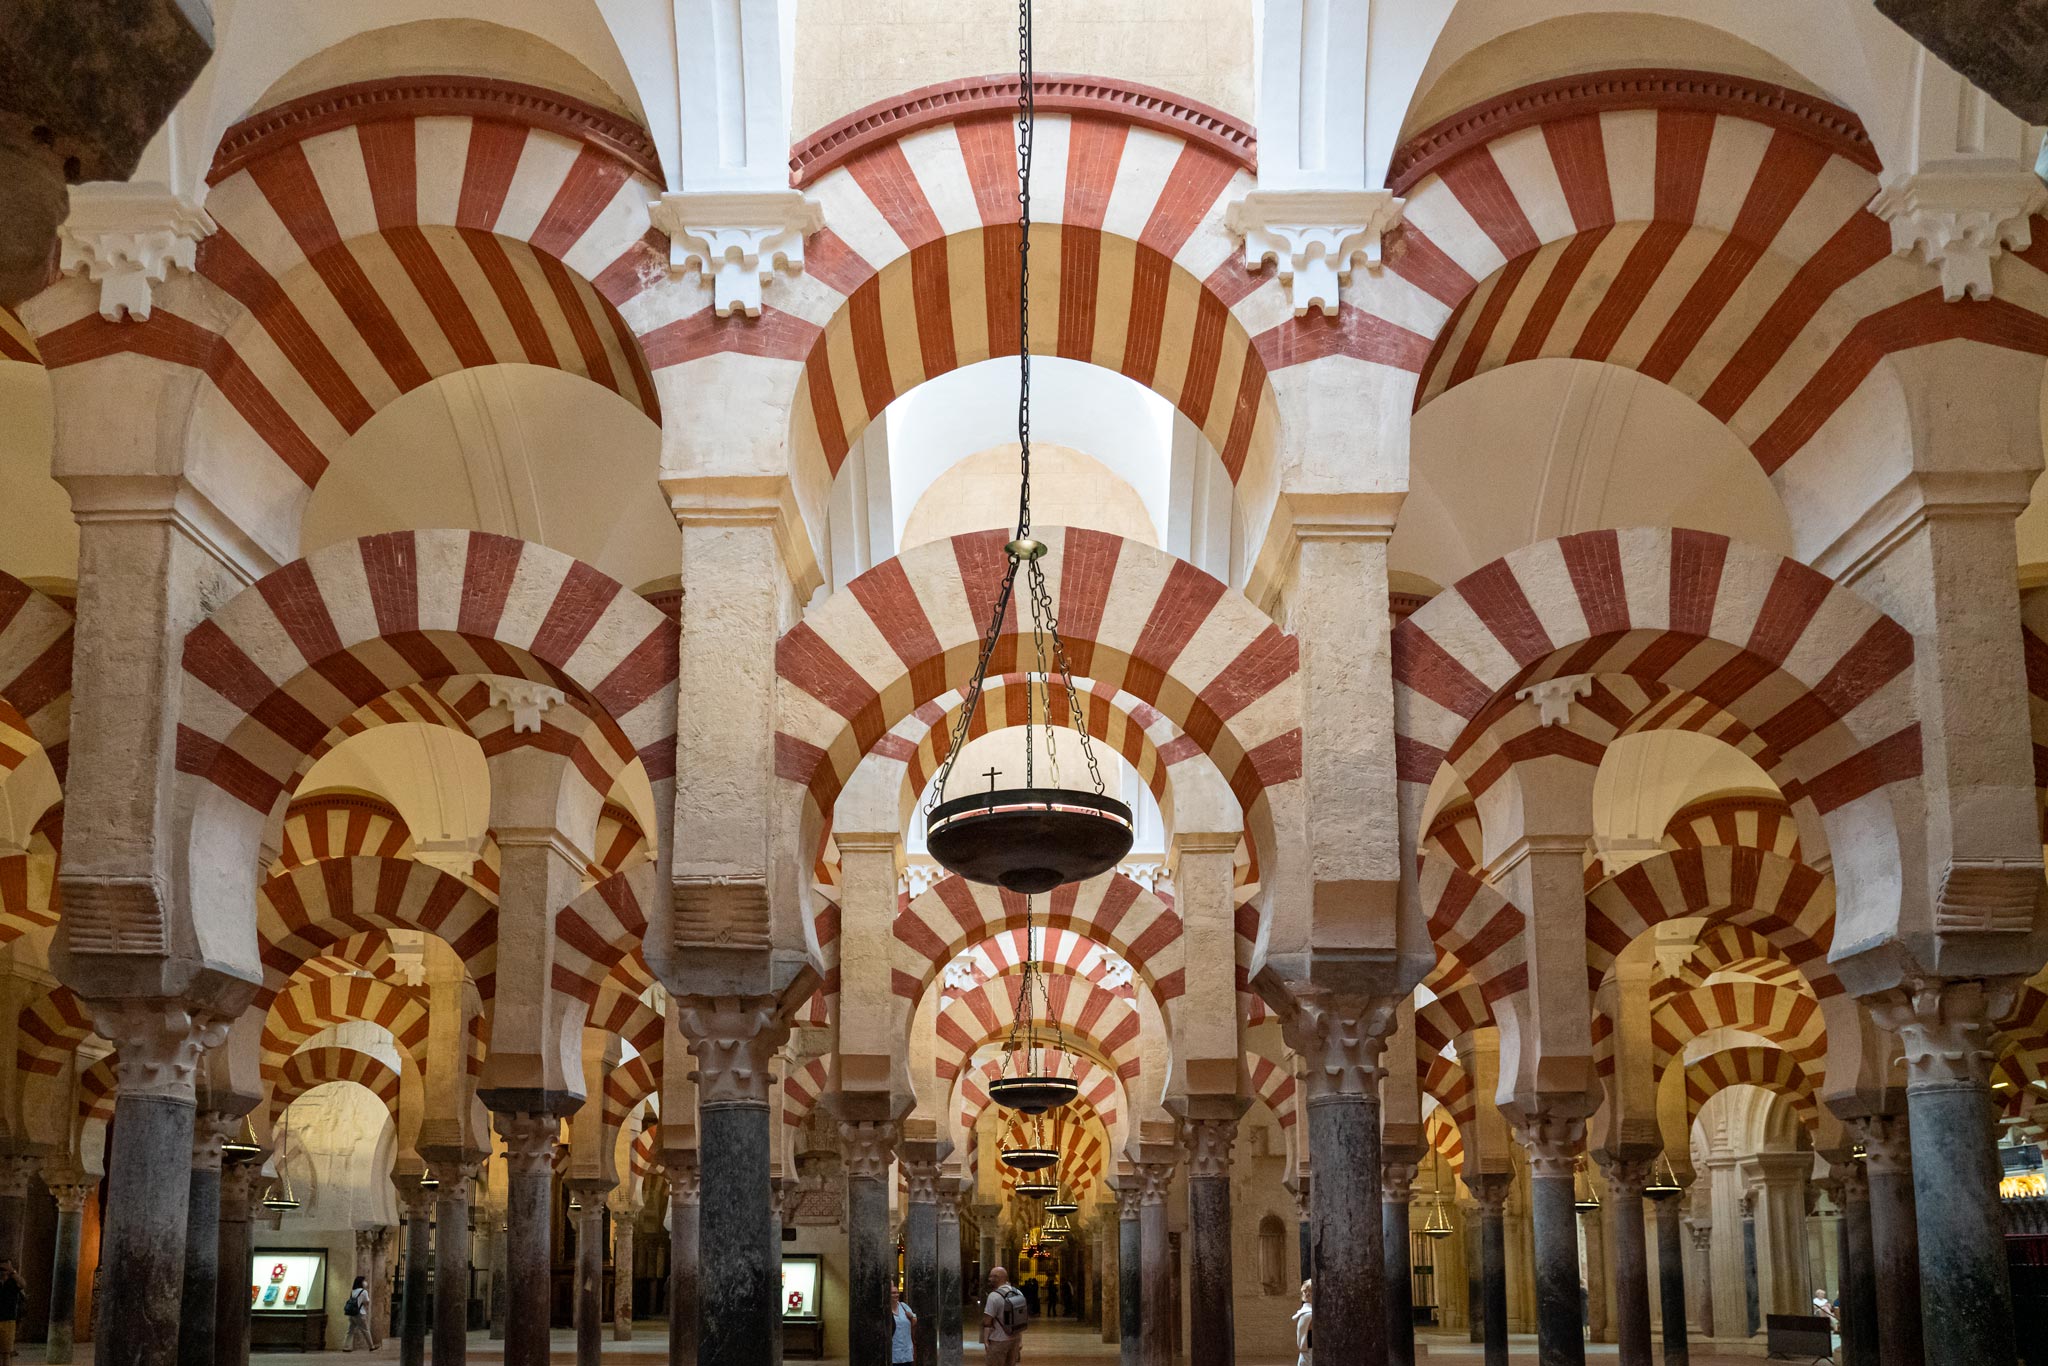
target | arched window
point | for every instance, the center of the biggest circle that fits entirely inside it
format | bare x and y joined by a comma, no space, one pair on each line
1272,1255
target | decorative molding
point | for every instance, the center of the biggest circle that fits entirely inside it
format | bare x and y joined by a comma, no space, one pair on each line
419,97
531,1137
1342,1042
1209,1144
996,96
1313,237
1554,696
1960,219
527,701
1947,1030
737,239
126,238
734,1040
161,1043
1987,896
1711,92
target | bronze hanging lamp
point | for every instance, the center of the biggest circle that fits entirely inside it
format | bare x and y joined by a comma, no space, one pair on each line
1062,1206
1036,1188
1663,1180
237,1149
1027,839
1438,1225
1586,1199
1033,1156
279,1198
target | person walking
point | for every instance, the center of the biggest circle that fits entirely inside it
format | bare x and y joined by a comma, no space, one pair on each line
357,1311
13,1295
1030,1292
902,1318
1304,1322
1004,1317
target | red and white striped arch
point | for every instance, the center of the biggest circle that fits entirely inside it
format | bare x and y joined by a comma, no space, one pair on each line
1786,1016
630,1083
35,673
1100,1087
311,1005
1474,926
956,915
49,1030
1443,1134
374,237
1454,1013
1789,904
801,1089
330,1064
1134,619
915,273
1273,1083
1094,1019
1815,672
341,825
1771,1069
1446,1082
1731,948
96,1091
270,675
30,897
1705,230
303,912
1754,820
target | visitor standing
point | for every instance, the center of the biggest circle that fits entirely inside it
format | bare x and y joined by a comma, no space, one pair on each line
357,1312
1004,1317
902,1318
1304,1325
12,1296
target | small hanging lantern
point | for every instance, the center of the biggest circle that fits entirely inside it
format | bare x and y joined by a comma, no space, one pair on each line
279,1198
242,1147
1036,1188
1034,1156
1061,1207
1027,839
1663,1180
1438,1225
1587,1199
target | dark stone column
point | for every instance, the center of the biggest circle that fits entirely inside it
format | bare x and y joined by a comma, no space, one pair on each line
921,1248
1491,1191
1671,1278
1966,1289
590,1274
1625,1181
530,1138
70,1196
1341,1042
1475,1286
622,1275
1894,1238
951,1323
1305,1229
451,1262
1554,1143
869,1147
1859,1268
682,1256
1397,1188
417,1200
1155,1268
1212,1298
1130,1271
202,1241
149,1164
739,1316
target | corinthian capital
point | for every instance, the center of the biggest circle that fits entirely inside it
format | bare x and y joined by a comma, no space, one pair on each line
1209,1143
159,1044
737,239
1341,1040
870,1146
1946,1028
1554,1143
734,1039
1887,1144
530,1140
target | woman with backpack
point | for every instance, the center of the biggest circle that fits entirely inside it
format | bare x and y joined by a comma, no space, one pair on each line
357,1311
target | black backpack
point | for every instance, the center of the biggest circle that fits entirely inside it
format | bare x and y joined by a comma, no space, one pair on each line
354,1307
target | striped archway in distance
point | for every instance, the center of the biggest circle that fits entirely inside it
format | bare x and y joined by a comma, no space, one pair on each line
375,236
1707,230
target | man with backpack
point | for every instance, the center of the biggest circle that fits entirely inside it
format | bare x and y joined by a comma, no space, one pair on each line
1003,1320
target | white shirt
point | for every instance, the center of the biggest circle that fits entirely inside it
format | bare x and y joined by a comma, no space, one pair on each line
993,1309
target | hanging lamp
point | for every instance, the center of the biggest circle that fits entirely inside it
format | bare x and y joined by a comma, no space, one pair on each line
1062,1206
1036,1188
1663,1180
1027,839
1586,1199
1029,1082
1438,1225
1033,1156
279,1197
242,1147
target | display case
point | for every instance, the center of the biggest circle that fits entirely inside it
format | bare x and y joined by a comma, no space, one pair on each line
288,1298
803,1310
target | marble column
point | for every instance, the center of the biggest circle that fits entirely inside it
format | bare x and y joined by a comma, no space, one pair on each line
1304,1226
1212,1335
500,1254
1860,1337
1785,1276
1554,1143
15,1171
417,1200
1341,1042
1966,1290
1703,1255
451,1262
149,1161
739,1315
196,1327
1626,1178
1490,1190
921,1254
622,1275
1397,1188
71,1197
869,1147
382,1285
530,1138
951,1292
681,1168
1671,1278
1894,1237
1155,1271
590,1274
1130,1271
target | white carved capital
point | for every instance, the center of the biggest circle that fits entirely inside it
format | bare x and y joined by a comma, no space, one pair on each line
1209,1144
1155,1179
1554,696
869,1146
526,701
737,239
126,238
72,1195
14,1174
1342,1043
159,1045
1554,1143
922,1178
1397,1182
1129,1197
684,1179
1960,218
530,1139
1887,1144
734,1040
1313,237
1948,1030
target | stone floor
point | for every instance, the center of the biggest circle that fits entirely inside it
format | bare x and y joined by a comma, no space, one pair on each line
1049,1343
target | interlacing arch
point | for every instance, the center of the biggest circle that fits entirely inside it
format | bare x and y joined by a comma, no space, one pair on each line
341,825
49,1030
1446,1082
303,912
1753,819
1445,1135
1574,218
1474,927
1790,904
311,1005
1088,1013
331,1063
1725,947
1453,1013
1787,1016
376,236
35,673
1771,1069
1099,1087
